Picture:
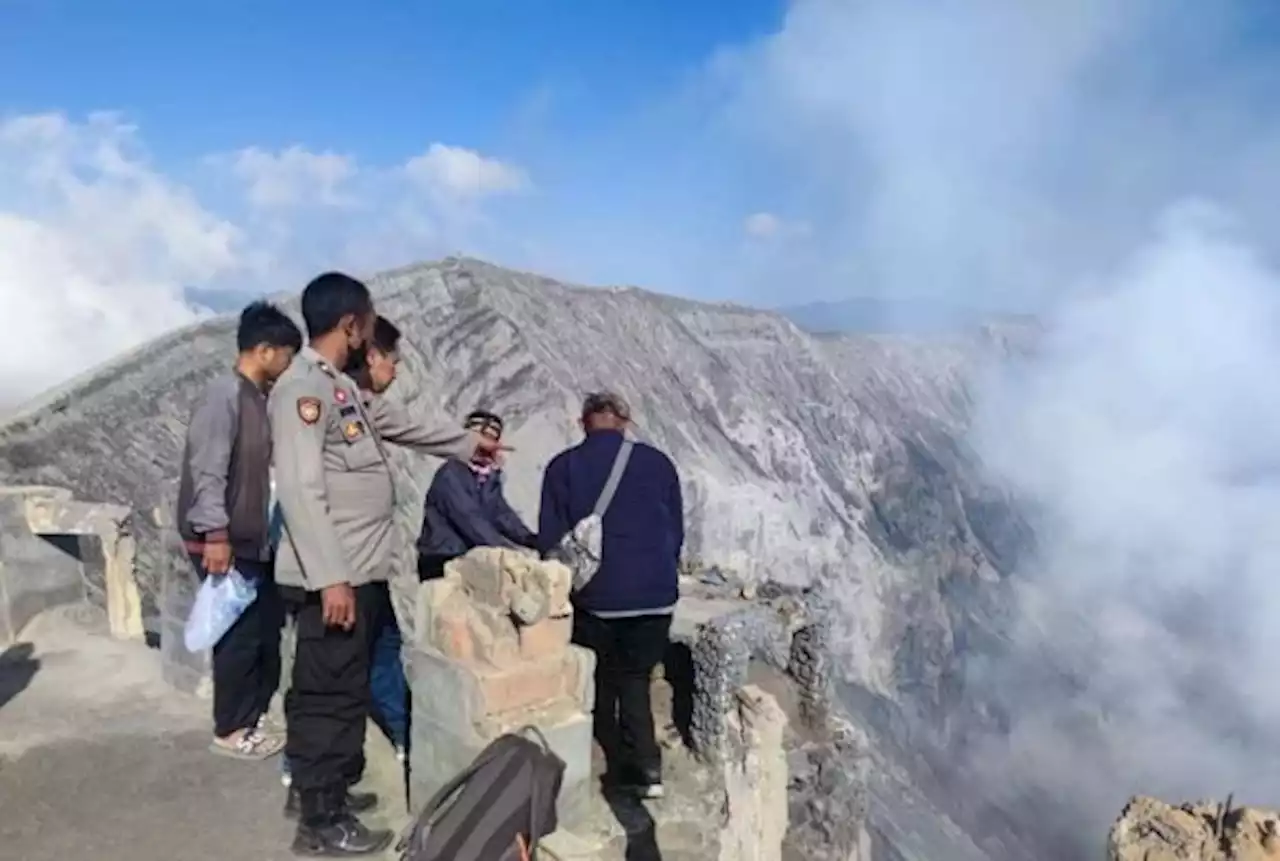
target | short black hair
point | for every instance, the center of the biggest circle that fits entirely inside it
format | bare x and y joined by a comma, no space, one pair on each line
386,335
264,323
329,298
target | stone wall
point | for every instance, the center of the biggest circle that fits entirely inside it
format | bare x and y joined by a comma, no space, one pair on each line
49,545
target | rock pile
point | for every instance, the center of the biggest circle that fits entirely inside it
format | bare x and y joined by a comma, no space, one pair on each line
1151,830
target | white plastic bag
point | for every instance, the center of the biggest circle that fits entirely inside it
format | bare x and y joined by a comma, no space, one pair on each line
219,603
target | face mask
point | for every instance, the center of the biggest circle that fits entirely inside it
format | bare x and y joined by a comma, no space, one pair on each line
356,363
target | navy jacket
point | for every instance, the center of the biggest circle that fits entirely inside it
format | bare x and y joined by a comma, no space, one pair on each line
462,512
643,528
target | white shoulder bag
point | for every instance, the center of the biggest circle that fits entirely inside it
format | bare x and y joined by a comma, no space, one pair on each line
582,547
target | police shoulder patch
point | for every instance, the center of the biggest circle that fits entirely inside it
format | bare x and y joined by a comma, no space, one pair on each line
309,410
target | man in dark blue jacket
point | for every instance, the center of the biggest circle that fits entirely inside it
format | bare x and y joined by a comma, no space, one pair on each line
465,507
624,612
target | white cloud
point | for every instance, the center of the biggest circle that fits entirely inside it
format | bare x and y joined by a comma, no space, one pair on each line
762,224
1145,431
95,247
766,225
98,246
463,174
292,176
997,149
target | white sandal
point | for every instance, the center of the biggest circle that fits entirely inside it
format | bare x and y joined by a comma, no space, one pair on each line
251,745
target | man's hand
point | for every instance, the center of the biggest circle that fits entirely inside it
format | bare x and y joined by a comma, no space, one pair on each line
494,448
216,558
338,606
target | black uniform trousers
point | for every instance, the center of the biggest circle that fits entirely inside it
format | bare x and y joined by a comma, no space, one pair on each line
327,706
626,650
246,661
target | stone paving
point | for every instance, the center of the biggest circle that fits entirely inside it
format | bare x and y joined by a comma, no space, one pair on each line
101,760
100,756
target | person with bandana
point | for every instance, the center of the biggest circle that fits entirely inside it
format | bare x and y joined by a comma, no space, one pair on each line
466,506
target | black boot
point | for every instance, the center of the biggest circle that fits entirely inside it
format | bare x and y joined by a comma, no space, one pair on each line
355,802
327,829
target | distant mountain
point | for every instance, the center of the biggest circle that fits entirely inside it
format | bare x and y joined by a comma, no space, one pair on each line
869,315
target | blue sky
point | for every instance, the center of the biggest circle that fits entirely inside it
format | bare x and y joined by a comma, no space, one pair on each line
974,153
569,91
377,78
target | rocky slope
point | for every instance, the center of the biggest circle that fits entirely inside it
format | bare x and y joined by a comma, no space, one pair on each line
838,458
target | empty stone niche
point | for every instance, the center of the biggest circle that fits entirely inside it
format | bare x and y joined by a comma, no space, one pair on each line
58,550
776,640
491,654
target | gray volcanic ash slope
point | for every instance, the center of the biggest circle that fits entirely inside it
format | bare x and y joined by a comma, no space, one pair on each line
803,457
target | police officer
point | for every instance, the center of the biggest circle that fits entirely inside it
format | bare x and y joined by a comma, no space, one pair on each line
336,495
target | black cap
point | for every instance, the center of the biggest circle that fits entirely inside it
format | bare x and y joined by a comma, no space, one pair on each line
483,421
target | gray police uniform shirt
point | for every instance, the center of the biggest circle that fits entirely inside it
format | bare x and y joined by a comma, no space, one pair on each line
333,480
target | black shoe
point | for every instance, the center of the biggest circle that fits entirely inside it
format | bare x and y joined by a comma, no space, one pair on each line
342,837
327,830
354,802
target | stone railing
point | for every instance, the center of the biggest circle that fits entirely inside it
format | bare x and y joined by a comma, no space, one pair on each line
55,549
717,635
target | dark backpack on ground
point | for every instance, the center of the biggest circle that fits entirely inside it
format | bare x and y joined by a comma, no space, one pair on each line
497,809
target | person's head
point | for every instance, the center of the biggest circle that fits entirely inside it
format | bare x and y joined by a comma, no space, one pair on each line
487,424
383,354
374,368
605,411
267,340
338,311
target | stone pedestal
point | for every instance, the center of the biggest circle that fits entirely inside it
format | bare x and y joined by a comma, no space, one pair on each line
188,672
492,655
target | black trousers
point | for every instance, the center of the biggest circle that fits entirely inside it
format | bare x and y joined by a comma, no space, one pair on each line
327,705
626,650
246,661
431,566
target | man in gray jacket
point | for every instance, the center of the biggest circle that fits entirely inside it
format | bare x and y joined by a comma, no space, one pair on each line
222,514
337,496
